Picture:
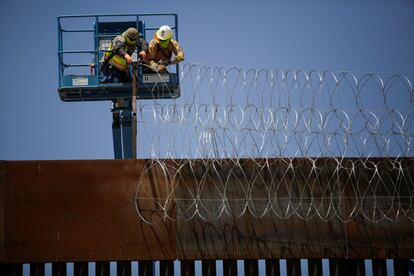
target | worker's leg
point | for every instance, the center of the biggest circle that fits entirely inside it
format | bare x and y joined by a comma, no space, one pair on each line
124,76
105,74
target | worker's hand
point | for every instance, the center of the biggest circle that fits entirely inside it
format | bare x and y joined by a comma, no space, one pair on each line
128,58
163,62
178,58
161,68
142,54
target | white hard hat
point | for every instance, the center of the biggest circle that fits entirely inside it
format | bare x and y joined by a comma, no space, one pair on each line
164,33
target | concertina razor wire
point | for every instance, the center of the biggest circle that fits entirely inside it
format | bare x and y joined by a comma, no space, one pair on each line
281,143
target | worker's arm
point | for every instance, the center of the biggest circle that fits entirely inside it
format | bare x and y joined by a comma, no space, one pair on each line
118,47
178,51
152,50
143,45
142,48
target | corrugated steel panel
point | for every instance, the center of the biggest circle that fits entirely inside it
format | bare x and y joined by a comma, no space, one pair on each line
56,211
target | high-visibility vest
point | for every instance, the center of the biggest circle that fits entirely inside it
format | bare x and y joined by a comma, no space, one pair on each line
117,60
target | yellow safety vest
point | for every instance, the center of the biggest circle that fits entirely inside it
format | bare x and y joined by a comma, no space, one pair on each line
115,59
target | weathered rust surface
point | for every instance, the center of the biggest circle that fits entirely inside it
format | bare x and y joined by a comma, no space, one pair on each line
272,238
79,211
85,210
249,237
2,208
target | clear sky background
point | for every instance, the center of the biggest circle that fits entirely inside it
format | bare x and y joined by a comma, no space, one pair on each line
321,34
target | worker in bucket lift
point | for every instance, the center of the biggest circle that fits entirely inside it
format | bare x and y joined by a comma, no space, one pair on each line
116,60
160,50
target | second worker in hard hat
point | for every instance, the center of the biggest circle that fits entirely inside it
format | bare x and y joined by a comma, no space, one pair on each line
119,56
161,48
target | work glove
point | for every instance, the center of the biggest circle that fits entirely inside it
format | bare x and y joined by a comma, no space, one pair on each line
163,62
142,54
128,58
178,58
161,68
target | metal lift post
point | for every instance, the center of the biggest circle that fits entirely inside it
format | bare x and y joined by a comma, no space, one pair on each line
124,122
134,110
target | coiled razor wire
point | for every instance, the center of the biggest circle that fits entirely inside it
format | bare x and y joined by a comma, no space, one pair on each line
281,143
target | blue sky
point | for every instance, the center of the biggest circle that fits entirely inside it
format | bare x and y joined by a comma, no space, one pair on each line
322,35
